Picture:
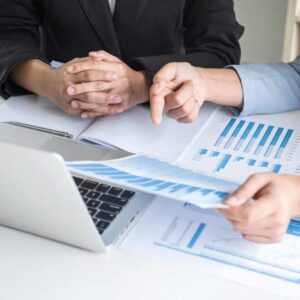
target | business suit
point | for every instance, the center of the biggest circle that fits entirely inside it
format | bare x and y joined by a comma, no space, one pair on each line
146,34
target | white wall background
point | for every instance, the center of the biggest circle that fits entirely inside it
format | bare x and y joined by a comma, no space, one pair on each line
264,22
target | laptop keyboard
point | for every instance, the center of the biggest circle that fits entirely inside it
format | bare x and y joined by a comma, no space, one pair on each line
103,201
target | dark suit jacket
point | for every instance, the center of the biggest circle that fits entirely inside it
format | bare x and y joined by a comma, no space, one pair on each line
146,34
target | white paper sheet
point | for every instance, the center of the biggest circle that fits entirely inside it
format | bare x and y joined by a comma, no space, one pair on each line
235,148
181,234
134,132
41,112
157,177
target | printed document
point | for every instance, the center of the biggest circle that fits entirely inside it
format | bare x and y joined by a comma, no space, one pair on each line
235,148
157,177
182,234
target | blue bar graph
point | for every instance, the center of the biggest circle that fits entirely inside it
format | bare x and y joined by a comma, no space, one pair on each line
206,192
294,228
235,134
151,183
264,164
193,189
251,162
264,140
274,142
139,180
125,172
164,185
244,136
178,187
203,151
277,168
222,195
225,132
239,158
223,163
254,138
196,235
214,154
284,143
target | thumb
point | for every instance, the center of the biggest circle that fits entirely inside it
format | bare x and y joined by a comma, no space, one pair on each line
248,190
166,73
103,55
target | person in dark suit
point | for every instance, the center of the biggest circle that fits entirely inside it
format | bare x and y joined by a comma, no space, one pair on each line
110,51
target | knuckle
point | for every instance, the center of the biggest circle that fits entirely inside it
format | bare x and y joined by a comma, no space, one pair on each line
255,177
119,67
189,119
89,96
278,232
178,99
281,221
69,110
66,79
277,238
249,216
90,76
100,86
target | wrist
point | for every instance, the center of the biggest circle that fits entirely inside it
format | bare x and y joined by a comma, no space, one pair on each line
141,87
48,82
31,75
223,86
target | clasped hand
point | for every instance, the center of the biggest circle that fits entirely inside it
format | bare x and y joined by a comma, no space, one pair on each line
98,85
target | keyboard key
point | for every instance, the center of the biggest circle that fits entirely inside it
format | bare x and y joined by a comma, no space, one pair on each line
86,199
111,208
93,203
92,211
115,191
89,184
113,200
105,216
103,188
77,180
127,194
102,225
95,220
83,192
100,230
93,195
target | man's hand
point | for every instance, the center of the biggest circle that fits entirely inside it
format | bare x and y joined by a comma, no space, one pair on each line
179,91
104,85
262,208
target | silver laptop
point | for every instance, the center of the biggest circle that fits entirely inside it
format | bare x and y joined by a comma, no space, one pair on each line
39,195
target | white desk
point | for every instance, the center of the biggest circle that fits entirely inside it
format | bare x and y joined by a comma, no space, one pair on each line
33,268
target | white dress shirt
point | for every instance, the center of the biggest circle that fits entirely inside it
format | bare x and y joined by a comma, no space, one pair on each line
112,4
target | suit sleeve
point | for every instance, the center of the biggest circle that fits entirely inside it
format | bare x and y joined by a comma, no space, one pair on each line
211,37
20,40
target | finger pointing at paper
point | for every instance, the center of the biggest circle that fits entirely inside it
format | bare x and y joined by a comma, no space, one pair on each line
177,91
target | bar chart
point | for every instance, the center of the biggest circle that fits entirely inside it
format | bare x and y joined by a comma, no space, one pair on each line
237,148
183,234
160,178
217,242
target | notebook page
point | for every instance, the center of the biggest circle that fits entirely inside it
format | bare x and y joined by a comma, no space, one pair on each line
39,111
134,132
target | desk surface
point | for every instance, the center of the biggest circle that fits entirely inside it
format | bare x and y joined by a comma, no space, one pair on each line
35,268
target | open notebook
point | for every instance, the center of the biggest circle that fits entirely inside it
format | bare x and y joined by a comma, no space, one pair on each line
132,131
